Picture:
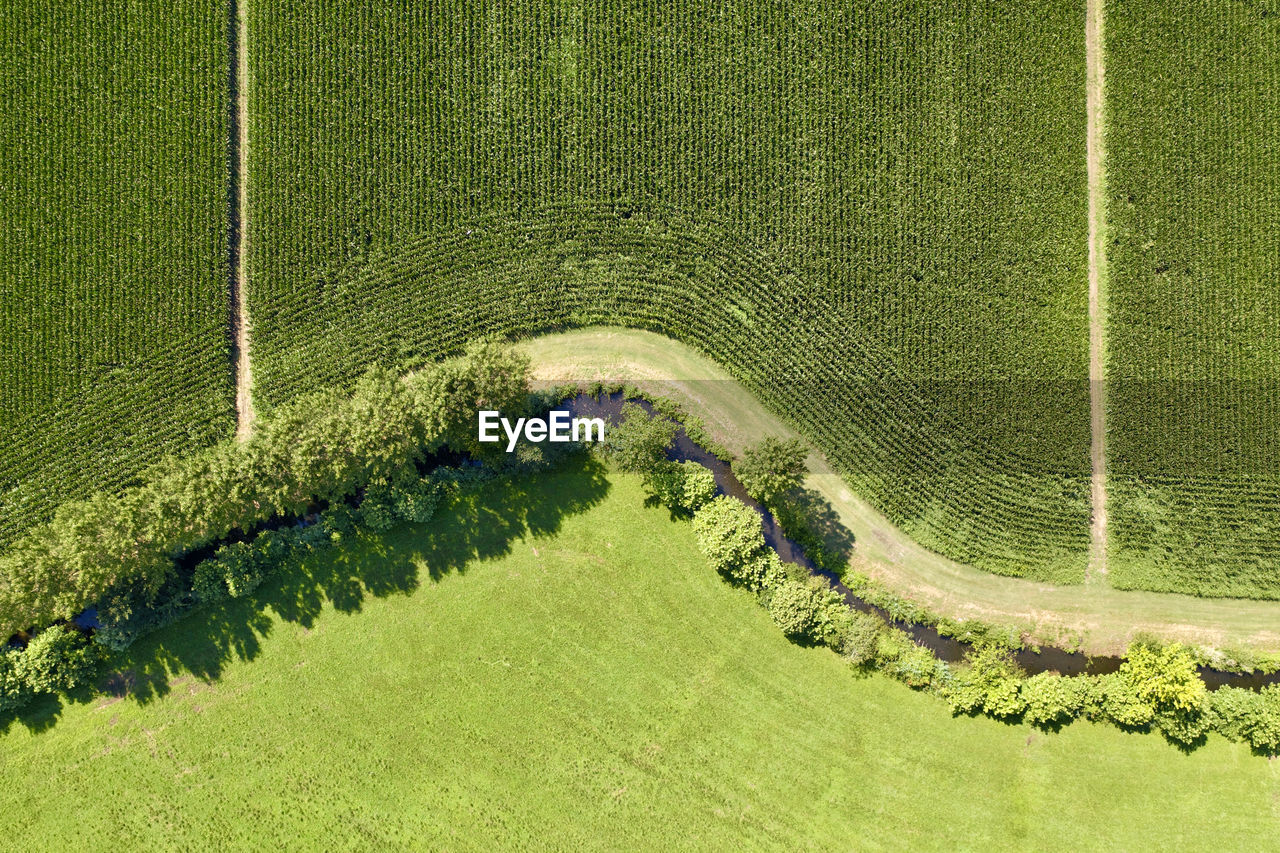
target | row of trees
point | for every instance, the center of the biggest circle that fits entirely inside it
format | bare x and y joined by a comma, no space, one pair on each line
323,447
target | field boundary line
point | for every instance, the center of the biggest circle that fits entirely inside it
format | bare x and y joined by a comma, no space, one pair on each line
238,44
1096,155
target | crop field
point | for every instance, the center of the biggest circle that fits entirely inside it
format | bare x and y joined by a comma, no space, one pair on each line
575,676
1194,178
113,257
873,216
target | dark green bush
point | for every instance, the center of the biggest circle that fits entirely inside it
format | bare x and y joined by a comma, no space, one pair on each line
14,690
56,660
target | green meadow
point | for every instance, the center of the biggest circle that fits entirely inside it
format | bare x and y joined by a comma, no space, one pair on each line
551,663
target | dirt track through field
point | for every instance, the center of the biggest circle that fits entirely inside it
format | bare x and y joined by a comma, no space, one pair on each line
238,44
1094,34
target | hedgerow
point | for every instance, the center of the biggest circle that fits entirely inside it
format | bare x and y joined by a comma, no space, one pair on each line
821,199
114,342
1156,687
323,447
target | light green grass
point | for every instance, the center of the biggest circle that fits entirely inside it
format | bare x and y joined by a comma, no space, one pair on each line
593,686
1106,619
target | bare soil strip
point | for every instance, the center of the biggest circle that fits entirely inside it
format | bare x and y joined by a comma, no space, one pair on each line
238,39
1094,34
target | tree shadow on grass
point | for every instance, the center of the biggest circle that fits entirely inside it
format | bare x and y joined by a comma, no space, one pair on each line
478,526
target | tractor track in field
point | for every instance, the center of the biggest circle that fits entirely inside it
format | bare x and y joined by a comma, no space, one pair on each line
1095,153
237,215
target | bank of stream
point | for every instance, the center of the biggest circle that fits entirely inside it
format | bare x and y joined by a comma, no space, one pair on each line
1032,661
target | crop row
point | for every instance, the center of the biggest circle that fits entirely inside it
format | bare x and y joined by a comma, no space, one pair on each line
1194,401
869,213
113,276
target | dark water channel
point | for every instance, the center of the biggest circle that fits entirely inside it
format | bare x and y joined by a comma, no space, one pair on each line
1048,659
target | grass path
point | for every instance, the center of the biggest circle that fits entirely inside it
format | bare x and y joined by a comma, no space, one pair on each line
245,415
1104,618
523,673
1095,96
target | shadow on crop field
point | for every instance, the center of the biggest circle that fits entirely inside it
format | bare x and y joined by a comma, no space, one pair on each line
478,526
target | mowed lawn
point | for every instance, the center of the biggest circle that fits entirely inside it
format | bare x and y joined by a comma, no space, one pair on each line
552,664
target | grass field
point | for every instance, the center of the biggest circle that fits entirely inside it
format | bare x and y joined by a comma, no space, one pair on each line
1194,174
113,258
554,664
872,216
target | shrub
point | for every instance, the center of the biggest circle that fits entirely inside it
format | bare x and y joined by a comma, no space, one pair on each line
1165,680
686,486
14,690
1119,701
900,657
796,607
239,567
639,442
1053,699
772,468
1244,715
991,683
730,535
699,486
860,638
57,660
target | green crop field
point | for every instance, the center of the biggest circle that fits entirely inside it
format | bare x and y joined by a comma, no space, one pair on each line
113,255
1194,177
554,664
871,215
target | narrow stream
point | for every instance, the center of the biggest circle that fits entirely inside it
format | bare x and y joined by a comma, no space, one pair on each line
1048,659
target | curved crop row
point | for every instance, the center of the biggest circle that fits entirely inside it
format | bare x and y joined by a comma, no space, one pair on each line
872,214
578,267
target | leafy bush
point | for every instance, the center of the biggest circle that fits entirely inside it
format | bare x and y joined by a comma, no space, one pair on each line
860,638
14,689
1053,699
239,567
799,608
990,683
56,660
1245,715
638,443
1165,681
898,656
772,468
686,486
730,535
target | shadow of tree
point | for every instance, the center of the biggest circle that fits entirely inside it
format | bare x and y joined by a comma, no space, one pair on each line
810,519
480,525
